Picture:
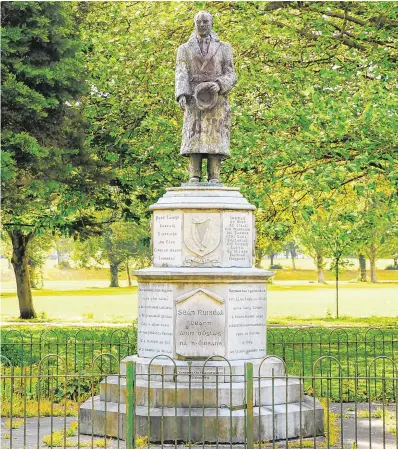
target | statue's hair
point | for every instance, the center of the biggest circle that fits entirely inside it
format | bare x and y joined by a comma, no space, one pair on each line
203,12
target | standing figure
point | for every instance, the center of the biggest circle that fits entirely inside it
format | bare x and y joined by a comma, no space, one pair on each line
204,76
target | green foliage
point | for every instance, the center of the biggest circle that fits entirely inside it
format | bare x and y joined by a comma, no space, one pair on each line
49,174
313,111
121,244
51,180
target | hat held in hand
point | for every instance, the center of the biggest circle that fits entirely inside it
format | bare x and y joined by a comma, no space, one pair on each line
205,98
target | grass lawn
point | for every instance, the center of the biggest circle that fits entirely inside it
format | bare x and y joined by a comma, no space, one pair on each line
302,302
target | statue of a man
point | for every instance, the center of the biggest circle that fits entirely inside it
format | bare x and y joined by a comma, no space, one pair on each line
204,76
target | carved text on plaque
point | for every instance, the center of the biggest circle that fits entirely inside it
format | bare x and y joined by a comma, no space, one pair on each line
167,242
246,321
155,319
238,238
200,324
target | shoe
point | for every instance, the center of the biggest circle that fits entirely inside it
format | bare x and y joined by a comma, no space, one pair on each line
213,181
194,179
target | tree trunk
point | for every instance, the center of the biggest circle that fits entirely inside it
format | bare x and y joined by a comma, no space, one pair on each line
372,260
19,261
259,256
114,274
32,274
128,273
395,265
319,268
59,257
271,256
362,268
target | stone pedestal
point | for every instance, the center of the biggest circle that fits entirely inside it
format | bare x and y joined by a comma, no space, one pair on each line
202,299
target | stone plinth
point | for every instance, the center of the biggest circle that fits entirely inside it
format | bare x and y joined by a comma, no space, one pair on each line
203,227
200,302
198,313
198,397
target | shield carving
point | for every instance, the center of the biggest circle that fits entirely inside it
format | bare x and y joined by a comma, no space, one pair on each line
202,232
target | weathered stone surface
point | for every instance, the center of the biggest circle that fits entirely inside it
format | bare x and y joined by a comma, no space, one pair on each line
204,76
194,371
164,394
200,316
166,239
155,319
200,324
202,197
186,424
195,237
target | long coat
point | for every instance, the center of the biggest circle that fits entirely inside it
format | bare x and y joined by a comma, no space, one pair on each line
205,131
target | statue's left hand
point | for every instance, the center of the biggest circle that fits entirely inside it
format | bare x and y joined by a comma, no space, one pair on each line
215,87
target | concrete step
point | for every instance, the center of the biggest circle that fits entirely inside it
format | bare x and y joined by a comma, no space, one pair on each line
195,370
158,394
184,424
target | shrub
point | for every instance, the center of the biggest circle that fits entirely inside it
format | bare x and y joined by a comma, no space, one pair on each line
15,355
276,267
391,267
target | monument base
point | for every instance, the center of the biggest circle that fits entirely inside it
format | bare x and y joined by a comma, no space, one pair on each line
175,399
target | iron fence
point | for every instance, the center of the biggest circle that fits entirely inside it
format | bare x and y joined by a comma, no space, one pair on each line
50,404
299,348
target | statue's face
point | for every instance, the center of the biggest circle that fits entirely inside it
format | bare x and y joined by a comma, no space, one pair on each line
203,25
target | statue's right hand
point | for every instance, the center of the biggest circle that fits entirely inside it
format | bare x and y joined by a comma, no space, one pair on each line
182,101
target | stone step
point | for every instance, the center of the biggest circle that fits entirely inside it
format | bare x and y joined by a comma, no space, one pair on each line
158,394
184,424
234,371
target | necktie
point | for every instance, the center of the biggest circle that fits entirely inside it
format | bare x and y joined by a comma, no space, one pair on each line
204,45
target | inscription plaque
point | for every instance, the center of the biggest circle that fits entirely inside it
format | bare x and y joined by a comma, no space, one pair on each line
246,321
167,241
200,324
155,319
238,238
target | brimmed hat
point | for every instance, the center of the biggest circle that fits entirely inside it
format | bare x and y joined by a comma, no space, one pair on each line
205,98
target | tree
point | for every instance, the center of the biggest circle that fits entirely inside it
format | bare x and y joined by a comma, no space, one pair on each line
362,267
378,228
338,231
313,242
290,248
49,176
121,244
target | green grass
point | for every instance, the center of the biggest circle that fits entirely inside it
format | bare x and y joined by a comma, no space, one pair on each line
287,274
120,305
300,347
96,291
342,321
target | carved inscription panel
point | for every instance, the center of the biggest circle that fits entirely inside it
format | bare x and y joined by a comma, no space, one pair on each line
200,324
238,239
155,319
246,321
167,239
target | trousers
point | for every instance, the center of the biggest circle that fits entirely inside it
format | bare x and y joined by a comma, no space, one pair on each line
213,166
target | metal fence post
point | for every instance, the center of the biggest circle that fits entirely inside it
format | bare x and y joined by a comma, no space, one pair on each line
130,404
249,405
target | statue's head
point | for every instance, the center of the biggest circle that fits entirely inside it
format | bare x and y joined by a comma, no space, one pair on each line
203,23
